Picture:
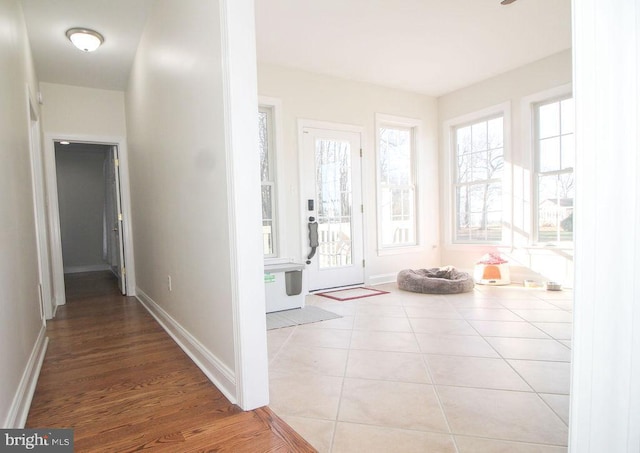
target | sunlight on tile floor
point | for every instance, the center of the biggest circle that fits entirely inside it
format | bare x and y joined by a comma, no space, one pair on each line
486,371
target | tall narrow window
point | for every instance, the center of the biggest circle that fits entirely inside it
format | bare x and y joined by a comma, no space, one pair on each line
267,175
397,190
555,159
478,171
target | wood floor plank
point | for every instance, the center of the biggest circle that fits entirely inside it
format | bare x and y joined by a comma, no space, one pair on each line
113,375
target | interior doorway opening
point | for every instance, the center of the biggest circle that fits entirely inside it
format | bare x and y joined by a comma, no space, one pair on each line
89,208
112,251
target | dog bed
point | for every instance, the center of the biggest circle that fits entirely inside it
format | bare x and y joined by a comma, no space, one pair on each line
437,280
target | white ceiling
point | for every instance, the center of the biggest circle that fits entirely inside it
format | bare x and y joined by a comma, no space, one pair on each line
426,46
120,22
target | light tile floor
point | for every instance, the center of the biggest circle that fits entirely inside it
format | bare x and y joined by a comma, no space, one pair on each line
486,371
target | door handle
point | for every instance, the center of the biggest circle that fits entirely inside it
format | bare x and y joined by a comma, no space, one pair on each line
313,238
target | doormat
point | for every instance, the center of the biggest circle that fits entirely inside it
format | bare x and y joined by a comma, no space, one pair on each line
352,293
298,316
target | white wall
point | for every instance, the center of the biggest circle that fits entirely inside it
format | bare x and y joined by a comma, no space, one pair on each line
306,95
81,202
182,191
515,88
20,322
79,111
605,390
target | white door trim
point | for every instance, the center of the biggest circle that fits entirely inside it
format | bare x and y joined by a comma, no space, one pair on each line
51,185
39,205
330,126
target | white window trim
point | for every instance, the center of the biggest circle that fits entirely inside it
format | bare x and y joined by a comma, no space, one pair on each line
529,145
416,126
503,109
275,105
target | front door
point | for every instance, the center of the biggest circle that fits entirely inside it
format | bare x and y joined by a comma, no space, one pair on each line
332,194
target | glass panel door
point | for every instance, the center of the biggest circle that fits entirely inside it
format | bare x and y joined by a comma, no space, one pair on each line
331,179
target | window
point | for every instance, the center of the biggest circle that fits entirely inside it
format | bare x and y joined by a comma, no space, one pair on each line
267,175
554,180
397,190
477,189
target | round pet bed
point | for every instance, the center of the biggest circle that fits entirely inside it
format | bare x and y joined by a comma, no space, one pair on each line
437,280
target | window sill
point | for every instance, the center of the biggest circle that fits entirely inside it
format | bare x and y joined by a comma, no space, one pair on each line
476,246
387,251
549,247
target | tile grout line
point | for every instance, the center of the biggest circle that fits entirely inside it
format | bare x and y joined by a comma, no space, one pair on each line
425,363
530,360
433,385
344,377
506,361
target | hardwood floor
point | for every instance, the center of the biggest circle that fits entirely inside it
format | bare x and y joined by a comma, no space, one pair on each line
113,375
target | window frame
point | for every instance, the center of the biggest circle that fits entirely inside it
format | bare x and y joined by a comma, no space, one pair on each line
536,173
414,126
450,180
529,202
274,108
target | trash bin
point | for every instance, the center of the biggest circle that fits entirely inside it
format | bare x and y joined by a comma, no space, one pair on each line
283,286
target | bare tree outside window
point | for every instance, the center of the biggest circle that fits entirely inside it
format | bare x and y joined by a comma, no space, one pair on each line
265,147
334,198
397,189
478,188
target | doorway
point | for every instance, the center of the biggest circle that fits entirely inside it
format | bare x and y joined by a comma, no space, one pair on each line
331,187
89,209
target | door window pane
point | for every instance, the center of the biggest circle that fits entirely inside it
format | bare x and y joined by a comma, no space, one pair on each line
333,192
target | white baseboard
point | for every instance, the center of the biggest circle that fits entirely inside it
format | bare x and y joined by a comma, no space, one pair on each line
217,372
89,268
19,409
382,278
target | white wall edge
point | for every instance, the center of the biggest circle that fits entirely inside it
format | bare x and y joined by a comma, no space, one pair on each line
216,371
246,258
19,409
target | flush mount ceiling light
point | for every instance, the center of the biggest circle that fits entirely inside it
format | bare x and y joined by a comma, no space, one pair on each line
85,39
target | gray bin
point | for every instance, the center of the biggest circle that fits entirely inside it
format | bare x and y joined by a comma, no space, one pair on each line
293,282
283,286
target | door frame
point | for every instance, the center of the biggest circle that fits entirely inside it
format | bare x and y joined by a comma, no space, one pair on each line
39,204
113,200
51,184
330,126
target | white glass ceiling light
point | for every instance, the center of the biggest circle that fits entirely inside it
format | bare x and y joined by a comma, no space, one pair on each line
85,39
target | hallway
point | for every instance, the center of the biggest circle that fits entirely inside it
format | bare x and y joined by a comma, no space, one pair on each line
113,375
